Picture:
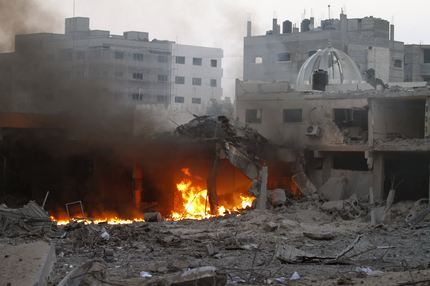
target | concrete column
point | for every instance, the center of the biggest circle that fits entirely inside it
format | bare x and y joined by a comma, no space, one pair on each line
327,165
261,205
370,119
378,175
427,119
137,184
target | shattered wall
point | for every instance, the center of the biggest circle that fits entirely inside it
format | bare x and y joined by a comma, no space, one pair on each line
315,111
398,118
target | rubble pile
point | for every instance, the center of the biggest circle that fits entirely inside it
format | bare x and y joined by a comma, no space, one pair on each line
240,135
302,241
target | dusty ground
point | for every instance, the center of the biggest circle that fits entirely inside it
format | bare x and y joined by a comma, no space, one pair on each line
245,250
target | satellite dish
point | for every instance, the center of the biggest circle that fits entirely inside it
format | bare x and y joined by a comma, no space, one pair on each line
311,26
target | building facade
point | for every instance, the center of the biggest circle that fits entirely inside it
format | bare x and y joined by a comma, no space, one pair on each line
95,73
368,41
417,63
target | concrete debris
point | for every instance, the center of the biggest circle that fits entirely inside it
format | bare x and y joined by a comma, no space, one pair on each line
243,141
304,184
332,206
91,273
240,246
28,220
420,216
278,197
334,189
270,226
198,276
290,254
376,215
319,236
254,190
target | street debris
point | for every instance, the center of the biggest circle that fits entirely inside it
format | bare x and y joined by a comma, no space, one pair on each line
31,219
255,247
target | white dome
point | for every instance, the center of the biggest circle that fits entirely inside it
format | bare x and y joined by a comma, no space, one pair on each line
340,67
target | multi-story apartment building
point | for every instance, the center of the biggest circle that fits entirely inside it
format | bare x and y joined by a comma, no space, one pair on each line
417,62
93,72
279,56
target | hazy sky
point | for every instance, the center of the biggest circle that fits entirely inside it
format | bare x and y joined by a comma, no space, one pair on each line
222,23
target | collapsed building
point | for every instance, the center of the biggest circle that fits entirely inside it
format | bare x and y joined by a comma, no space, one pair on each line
357,136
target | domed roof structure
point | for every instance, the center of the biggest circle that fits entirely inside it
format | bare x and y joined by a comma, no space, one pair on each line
340,67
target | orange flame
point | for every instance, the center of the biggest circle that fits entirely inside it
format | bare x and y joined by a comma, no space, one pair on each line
193,202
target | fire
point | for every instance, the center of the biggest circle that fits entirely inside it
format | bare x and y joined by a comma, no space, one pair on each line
193,202
112,220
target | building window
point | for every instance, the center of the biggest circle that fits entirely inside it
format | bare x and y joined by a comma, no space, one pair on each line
292,115
214,63
311,53
180,60
398,64
180,80
80,55
161,98
426,56
162,78
258,60
284,57
196,100
197,81
136,96
162,59
197,61
253,116
65,55
213,82
119,74
137,75
138,57
179,99
50,57
119,55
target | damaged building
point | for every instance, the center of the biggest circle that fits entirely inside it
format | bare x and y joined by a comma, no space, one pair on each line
356,137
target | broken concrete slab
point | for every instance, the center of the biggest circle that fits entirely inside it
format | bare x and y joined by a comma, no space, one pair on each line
241,161
420,216
305,185
376,215
333,206
290,254
90,273
270,226
32,215
206,275
27,264
334,189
